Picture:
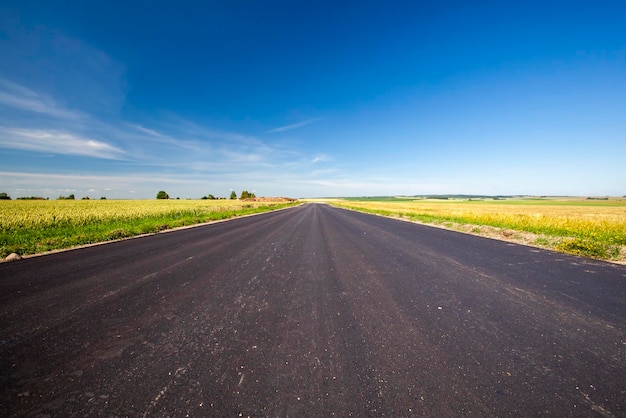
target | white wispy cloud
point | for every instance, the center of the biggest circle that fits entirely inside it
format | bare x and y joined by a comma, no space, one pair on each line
57,142
174,142
185,157
219,146
35,121
122,184
48,179
18,97
320,158
294,125
52,128
148,131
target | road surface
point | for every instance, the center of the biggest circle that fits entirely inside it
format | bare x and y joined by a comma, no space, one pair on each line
312,311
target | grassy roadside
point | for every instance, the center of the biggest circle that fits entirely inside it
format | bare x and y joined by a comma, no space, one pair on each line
595,229
28,228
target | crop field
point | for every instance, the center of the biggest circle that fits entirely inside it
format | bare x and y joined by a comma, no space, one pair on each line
36,226
592,228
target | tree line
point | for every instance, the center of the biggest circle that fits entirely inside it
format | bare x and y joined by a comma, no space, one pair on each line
162,194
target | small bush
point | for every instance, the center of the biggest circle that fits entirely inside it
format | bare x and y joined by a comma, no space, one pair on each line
578,246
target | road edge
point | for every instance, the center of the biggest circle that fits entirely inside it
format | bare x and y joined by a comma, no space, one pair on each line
494,238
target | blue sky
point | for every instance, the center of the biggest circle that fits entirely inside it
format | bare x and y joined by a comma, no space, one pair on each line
306,99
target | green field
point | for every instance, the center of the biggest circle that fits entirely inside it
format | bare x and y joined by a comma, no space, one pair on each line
36,226
588,227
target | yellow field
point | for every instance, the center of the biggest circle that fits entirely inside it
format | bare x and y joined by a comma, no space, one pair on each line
36,226
597,224
53,213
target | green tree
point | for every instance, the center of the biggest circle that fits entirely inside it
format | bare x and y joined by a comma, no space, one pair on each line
162,195
244,195
233,195
4,196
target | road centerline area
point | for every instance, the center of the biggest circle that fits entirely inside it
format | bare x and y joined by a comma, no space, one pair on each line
312,311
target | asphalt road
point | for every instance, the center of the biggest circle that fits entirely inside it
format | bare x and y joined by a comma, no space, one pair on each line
312,311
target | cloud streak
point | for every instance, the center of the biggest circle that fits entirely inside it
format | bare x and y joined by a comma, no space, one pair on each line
51,127
320,158
37,123
58,143
16,96
294,126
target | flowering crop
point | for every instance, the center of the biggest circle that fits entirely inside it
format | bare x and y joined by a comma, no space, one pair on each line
33,226
580,224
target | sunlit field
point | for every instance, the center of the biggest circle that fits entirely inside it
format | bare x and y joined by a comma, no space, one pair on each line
35,226
594,228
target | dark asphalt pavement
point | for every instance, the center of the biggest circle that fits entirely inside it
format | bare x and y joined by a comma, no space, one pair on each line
312,311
